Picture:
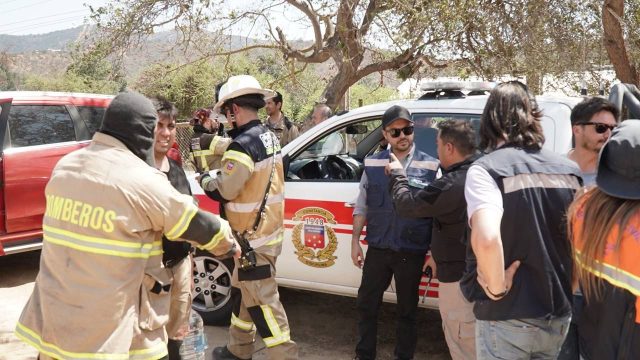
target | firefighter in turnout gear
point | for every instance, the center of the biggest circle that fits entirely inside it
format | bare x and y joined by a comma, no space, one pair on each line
250,185
207,145
102,292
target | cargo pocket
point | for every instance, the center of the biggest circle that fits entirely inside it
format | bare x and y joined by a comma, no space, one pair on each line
464,320
155,299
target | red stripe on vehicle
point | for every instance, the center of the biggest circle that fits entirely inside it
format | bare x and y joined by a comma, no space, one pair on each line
431,294
208,204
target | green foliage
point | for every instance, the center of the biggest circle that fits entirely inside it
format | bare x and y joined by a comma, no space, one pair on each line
69,82
189,87
7,78
370,94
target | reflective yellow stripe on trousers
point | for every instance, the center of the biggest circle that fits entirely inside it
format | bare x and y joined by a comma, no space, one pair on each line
241,324
97,245
31,337
278,337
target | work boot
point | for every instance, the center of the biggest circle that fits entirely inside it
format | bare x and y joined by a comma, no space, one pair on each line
222,353
173,347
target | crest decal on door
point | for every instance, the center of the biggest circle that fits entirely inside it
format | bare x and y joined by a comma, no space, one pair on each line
313,237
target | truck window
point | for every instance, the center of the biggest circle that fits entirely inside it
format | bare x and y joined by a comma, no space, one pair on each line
40,124
426,129
338,155
92,117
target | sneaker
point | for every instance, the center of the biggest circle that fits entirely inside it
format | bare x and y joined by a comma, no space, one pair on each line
222,353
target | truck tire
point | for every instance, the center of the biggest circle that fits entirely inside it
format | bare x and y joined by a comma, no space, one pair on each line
211,292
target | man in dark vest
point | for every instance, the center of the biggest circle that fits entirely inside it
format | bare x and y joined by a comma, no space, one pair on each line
517,197
397,245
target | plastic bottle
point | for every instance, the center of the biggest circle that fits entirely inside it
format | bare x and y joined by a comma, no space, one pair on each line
195,343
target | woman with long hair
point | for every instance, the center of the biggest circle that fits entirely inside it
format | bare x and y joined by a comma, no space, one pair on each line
604,227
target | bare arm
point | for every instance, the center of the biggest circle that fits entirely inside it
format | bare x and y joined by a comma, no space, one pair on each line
486,242
357,256
487,246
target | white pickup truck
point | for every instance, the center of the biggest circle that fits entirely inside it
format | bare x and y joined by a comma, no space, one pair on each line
322,184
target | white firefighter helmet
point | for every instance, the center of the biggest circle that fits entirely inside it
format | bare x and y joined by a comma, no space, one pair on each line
241,85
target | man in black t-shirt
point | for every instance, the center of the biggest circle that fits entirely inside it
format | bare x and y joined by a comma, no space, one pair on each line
176,253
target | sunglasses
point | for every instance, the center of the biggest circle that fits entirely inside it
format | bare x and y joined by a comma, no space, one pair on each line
600,127
396,132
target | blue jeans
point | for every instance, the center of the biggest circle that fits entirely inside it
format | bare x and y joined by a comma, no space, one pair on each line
520,338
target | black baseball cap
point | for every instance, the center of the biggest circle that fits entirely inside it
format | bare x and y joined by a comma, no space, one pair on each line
619,162
394,113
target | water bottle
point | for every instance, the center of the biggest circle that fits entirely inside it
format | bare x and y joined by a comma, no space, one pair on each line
195,343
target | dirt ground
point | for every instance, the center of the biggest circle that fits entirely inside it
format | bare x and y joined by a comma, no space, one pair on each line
324,326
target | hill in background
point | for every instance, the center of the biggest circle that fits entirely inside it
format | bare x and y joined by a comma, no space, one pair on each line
53,41
49,54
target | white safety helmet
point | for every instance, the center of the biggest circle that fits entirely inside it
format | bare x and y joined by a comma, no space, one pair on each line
241,85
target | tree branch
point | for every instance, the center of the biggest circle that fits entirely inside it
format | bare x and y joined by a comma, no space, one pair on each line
612,14
313,18
314,57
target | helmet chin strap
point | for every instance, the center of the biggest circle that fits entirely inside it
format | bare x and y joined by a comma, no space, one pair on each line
232,119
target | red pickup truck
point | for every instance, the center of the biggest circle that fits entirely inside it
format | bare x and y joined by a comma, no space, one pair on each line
37,129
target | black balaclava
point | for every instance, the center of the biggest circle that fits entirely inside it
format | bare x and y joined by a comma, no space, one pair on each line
131,118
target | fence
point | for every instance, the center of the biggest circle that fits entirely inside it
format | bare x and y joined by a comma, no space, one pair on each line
184,131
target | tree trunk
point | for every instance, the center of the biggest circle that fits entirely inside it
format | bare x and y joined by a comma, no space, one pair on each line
534,82
337,88
612,15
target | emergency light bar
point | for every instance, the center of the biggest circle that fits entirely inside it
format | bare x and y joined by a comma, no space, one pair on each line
475,86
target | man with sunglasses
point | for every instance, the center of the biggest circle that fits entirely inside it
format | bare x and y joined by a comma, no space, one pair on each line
396,245
592,121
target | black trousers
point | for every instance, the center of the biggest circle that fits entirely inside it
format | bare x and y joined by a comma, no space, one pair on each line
379,266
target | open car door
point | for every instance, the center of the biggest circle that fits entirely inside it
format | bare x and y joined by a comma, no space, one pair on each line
5,108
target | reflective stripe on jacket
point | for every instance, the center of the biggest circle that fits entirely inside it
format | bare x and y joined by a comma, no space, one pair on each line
609,327
246,167
537,187
207,151
102,292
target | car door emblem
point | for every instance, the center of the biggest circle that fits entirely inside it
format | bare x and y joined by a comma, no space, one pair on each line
315,241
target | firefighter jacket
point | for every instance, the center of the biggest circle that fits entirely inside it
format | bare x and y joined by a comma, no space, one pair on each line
386,229
443,199
284,129
537,188
609,327
242,182
207,150
102,292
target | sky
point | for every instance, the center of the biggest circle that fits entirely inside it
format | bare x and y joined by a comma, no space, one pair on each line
22,17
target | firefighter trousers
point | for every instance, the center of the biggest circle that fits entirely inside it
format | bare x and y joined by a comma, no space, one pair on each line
257,307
